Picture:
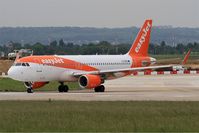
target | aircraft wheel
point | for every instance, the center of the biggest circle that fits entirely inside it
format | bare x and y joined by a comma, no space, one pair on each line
63,88
29,90
60,88
100,88
96,89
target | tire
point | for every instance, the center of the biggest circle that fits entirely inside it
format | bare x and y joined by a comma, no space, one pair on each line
65,88
97,89
29,90
60,88
100,88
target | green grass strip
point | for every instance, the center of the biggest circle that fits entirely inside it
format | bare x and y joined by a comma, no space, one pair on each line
9,85
61,116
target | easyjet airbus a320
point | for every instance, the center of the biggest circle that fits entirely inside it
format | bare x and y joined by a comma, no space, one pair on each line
90,71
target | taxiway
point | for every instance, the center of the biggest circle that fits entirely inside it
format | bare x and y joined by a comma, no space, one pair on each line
132,88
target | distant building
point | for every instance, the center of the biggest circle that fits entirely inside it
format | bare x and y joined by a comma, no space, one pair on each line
2,54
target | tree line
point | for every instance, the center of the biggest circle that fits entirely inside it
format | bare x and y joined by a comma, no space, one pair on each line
103,47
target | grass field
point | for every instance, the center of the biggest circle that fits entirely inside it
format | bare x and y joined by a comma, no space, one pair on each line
60,116
7,84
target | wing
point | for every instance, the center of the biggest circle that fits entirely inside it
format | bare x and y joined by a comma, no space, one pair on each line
125,70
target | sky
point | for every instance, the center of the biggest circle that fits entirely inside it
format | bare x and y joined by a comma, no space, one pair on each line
98,13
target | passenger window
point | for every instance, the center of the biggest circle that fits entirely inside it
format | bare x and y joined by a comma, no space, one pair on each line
23,64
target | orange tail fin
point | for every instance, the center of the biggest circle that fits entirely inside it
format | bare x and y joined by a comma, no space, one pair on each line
186,57
141,44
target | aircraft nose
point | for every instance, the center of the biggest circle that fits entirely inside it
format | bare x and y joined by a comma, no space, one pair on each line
12,73
152,60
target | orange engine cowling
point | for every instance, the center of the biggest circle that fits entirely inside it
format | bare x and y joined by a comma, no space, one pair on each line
35,85
89,81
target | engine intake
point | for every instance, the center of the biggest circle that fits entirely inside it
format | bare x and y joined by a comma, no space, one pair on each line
90,81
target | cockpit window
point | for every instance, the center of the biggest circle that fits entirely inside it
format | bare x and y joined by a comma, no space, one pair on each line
21,64
18,64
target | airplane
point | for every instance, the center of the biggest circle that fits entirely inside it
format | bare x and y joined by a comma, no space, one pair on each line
90,71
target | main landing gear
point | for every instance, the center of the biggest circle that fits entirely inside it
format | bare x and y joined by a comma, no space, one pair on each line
62,87
100,88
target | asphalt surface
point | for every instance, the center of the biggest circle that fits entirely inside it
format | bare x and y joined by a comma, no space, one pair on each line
132,88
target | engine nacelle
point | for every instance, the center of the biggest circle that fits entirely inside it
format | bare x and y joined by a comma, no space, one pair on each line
90,81
35,85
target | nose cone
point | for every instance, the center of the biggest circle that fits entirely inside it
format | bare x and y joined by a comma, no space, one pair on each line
152,60
12,73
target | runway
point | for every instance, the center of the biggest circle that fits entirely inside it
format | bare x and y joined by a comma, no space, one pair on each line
132,88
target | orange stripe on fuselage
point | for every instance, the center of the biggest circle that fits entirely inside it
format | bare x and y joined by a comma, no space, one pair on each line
57,62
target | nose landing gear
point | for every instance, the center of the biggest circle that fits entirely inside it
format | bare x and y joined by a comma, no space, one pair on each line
28,85
29,90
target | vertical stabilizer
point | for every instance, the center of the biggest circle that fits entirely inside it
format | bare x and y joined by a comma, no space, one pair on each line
141,44
186,57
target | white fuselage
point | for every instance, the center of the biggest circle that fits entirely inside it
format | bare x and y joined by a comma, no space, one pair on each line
42,72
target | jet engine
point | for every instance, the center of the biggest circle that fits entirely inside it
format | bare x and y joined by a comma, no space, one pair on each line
90,81
35,85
